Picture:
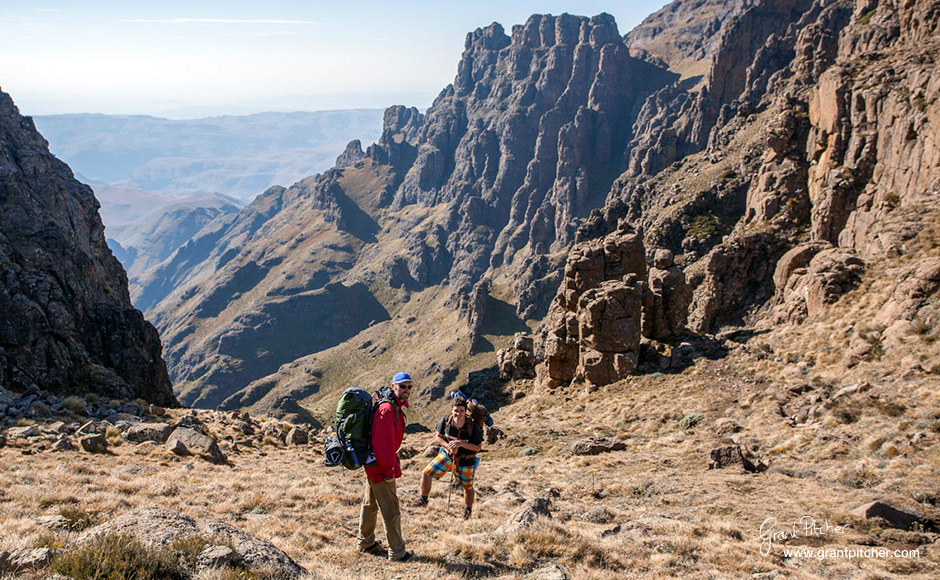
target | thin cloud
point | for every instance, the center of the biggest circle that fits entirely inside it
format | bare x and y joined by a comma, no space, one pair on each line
217,21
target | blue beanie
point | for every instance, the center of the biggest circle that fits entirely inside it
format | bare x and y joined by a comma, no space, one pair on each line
401,378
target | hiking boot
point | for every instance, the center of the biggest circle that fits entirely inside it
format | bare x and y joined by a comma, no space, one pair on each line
408,556
375,548
423,501
466,512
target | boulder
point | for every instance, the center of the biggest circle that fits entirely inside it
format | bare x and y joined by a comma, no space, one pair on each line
56,427
88,428
733,455
39,409
193,422
177,448
141,432
552,572
597,445
64,443
196,442
96,443
160,527
23,432
607,302
215,557
893,517
55,522
526,515
493,434
609,320
518,360
727,426
24,559
829,273
297,436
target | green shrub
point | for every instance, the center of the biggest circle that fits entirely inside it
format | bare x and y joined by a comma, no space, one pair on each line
892,200
703,227
866,18
691,420
114,557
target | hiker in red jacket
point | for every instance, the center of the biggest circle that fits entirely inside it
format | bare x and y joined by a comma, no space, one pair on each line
382,469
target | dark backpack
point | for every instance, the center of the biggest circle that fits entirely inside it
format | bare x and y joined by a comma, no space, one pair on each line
478,413
352,444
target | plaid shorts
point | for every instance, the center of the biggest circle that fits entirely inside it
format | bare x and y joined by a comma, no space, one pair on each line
443,463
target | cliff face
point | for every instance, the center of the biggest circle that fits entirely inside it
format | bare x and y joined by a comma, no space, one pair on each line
488,185
525,142
66,321
769,188
807,162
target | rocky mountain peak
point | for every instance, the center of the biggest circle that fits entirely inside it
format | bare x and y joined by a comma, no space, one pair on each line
66,320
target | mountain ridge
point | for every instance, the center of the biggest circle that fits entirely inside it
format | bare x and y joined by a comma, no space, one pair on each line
68,324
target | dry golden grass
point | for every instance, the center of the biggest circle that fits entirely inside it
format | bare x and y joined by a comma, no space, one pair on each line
676,518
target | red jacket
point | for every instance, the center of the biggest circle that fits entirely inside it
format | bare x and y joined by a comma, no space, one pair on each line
387,435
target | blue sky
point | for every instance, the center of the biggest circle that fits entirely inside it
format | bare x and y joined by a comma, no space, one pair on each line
187,59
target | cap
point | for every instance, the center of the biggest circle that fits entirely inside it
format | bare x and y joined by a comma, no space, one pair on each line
401,378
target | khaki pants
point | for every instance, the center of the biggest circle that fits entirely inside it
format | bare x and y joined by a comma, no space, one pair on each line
381,496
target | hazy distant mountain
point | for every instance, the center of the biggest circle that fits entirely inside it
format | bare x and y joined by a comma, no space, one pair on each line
144,227
236,155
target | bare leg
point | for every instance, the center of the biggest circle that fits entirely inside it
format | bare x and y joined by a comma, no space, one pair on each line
425,484
468,495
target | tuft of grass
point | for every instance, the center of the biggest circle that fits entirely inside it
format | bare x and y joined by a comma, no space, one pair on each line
50,541
114,437
866,18
92,398
860,477
115,557
74,404
77,518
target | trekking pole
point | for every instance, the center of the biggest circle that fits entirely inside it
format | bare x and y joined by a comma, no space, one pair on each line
453,482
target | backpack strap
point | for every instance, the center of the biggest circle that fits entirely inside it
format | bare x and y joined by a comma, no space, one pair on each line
450,423
385,395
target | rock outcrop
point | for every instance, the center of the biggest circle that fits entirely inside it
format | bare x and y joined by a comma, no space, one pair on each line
158,528
596,316
518,361
66,320
803,132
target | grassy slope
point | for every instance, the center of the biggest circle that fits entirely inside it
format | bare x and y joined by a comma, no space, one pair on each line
676,518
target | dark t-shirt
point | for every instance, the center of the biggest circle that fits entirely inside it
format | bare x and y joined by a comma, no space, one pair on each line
470,432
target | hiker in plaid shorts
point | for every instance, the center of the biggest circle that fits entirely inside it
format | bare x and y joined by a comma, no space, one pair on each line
460,439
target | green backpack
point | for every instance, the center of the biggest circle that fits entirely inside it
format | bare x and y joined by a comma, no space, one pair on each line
352,445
